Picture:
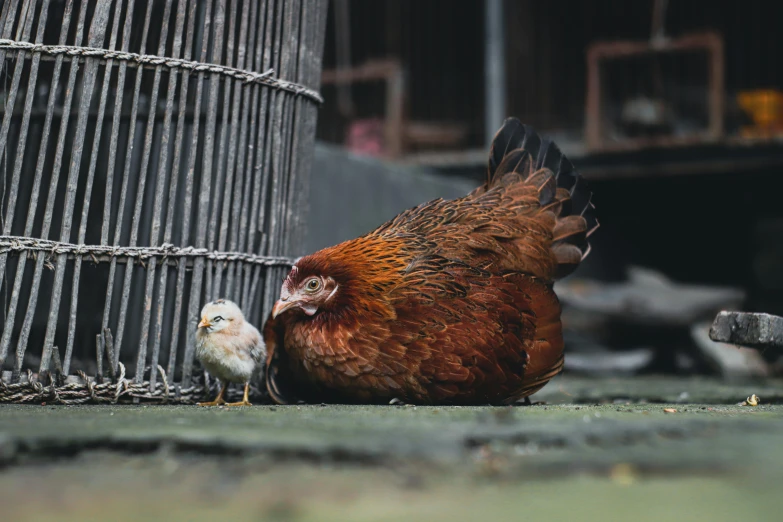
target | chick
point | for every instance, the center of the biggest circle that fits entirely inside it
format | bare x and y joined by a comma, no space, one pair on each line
230,348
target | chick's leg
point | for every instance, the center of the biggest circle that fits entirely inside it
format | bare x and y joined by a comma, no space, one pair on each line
219,399
244,401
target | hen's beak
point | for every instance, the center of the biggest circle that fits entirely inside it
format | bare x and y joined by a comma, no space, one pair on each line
204,323
281,306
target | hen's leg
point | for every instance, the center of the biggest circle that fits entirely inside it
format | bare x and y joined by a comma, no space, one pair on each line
244,401
219,399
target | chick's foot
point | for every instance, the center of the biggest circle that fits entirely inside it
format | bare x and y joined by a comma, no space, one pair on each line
240,403
244,401
217,402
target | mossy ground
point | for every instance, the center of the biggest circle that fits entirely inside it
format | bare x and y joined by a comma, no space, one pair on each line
597,450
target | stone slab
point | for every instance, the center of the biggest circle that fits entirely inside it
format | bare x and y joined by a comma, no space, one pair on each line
748,329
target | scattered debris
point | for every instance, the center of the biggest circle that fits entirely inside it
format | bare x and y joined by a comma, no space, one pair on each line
753,400
732,361
669,410
748,329
623,474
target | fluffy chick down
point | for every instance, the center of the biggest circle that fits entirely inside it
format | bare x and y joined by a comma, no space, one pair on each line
230,348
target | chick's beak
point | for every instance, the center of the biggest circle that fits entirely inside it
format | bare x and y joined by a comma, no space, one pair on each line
281,306
204,323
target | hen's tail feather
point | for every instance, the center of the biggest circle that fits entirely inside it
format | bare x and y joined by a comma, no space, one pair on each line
517,160
571,230
546,184
514,139
518,148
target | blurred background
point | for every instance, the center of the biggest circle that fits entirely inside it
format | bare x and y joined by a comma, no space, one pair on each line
672,110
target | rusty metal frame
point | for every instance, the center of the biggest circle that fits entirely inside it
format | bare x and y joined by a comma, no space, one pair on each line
391,72
601,52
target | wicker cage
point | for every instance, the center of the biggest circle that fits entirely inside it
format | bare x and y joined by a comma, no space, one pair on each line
153,155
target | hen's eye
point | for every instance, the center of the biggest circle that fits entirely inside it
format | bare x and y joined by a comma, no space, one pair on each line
217,319
313,285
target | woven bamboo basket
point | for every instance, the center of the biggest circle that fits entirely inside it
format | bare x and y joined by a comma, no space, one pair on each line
153,155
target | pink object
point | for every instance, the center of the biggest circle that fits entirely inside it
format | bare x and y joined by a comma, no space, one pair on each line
365,137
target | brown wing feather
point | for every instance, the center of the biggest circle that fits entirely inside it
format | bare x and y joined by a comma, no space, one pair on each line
460,335
502,229
474,330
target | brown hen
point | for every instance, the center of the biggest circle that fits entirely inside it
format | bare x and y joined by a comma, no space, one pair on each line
450,302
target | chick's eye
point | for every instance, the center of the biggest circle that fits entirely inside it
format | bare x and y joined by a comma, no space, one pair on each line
313,285
217,319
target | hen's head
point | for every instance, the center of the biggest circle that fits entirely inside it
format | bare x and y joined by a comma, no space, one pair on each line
306,289
219,315
351,278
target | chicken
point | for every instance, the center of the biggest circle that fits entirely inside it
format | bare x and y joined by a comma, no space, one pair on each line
229,348
450,302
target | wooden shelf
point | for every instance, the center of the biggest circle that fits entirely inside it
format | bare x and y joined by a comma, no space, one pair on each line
731,155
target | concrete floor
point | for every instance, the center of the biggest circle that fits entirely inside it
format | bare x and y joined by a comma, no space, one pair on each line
597,450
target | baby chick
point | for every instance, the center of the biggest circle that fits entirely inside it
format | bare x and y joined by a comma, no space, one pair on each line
230,348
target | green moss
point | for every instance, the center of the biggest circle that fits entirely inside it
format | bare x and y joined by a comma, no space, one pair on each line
629,460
